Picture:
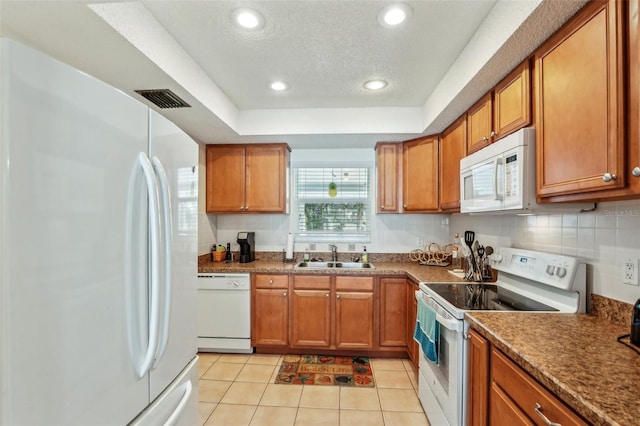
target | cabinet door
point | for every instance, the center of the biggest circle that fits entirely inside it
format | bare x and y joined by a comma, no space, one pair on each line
225,179
311,311
512,102
270,317
453,147
479,122
478,396
579,101
634,93
420,175
412,307
388,163
354,320
266,178
393,312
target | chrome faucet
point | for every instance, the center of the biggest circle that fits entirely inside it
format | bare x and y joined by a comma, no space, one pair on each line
334,252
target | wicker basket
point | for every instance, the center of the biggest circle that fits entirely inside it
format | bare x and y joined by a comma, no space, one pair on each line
219,256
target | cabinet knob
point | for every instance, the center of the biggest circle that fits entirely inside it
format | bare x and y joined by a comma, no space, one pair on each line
382,207
493,134
270,281
636,171
485,139
326,295
284,294
608,177
337,296
241,207
246,207
404,206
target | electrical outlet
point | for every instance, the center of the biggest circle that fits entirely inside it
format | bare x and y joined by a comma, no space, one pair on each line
630,271
420,242
352,247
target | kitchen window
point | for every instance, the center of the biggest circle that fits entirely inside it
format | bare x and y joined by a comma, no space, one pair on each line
332,204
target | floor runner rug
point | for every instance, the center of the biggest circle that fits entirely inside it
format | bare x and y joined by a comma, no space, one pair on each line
325,370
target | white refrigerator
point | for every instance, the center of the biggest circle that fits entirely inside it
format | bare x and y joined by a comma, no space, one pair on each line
98,252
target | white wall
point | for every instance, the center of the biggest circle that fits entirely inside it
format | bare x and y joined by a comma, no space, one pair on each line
603,238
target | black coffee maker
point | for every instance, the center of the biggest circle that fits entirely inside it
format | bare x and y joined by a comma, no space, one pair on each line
247,246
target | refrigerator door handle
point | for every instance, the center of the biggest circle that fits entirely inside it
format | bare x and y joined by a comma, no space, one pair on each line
166,221
188,388
154,285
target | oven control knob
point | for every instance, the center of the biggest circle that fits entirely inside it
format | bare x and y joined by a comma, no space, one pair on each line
550,269
561,272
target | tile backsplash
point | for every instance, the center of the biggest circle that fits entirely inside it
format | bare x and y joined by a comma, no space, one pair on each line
604,238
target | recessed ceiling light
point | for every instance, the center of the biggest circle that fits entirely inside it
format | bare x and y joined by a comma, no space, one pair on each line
393,15
375,84
279,86
248,19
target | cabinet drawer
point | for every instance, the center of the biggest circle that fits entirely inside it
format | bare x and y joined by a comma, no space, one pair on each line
354,283
272,281
312,282
526,393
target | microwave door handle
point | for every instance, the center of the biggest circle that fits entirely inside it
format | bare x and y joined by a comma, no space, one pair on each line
498,190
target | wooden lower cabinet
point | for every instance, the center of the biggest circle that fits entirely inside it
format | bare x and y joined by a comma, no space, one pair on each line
412,312
334,312
354,312
393,312
270,310
525,396
311,311
502,393
478,397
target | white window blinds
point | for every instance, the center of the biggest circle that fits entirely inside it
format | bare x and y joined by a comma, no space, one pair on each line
332,203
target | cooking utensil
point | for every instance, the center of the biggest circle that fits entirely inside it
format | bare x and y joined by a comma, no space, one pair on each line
469,238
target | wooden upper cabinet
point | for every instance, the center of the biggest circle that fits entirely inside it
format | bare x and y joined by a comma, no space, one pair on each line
502,111
389,166
579,101
479,122
247,178
512,102
453,147
420,175
225,178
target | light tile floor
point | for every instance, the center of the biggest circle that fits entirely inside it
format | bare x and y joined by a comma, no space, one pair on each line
238,390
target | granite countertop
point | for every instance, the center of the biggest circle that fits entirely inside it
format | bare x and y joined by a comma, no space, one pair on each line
576,356
412,269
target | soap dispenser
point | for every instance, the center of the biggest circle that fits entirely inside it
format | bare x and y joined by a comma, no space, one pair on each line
635,324
365,255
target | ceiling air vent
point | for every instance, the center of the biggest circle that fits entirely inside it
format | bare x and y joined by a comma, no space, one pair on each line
163,98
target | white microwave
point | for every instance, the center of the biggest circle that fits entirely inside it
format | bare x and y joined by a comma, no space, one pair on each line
502,178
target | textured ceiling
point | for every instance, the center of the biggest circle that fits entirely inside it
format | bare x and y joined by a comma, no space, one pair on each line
445,57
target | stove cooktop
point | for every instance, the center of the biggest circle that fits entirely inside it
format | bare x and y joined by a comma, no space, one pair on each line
486,297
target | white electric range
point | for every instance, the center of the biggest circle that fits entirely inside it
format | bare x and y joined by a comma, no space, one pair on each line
527,281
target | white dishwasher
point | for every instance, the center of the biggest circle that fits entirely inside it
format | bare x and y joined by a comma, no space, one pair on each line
224,313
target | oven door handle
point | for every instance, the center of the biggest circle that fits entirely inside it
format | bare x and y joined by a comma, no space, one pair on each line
452,324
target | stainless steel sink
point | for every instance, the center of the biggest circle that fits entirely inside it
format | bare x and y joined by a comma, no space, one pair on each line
354,265
334,265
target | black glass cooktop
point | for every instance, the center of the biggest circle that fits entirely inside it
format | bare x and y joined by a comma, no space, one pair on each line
486,297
